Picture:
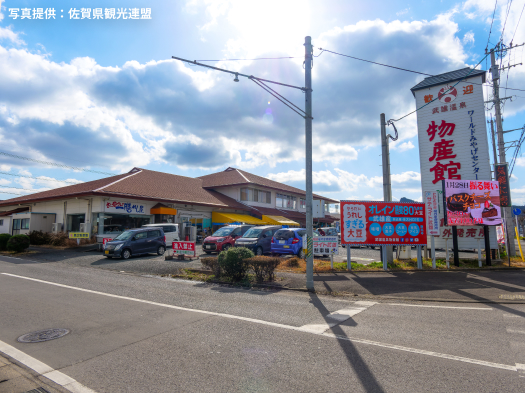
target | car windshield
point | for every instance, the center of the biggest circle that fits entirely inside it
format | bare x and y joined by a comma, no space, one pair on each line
253,233
223,232
125,235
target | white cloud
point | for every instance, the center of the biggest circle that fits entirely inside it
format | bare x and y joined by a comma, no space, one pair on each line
403,12
468,38
520,161
401,147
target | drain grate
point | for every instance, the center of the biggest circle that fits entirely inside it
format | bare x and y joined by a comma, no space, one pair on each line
42,335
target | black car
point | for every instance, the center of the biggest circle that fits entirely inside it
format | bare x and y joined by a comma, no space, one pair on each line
136,242
258,239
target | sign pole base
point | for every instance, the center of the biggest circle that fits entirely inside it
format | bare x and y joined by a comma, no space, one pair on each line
455,245
433,251
383,252
479,252
446,252
486,234
348,258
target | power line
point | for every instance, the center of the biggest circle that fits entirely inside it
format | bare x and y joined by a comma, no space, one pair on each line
54,164
391,121
39,178
405,69
259,58
519,20
494,13
506,17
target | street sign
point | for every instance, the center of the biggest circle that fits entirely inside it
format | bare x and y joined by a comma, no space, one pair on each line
516,211
184,248
78,235
432,214
326,245
383,223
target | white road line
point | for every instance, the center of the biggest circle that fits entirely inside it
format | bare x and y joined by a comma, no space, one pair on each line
421,305
336,318
288,327
43,369
511,330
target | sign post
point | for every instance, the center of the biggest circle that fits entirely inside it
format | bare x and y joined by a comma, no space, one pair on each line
432,216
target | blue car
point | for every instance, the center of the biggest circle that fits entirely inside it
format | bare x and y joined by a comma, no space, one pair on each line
136,242
288,241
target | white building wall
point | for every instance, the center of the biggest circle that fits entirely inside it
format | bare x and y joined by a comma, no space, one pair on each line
6,225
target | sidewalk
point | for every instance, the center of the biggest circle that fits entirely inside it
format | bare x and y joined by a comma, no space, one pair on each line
20,379
449,286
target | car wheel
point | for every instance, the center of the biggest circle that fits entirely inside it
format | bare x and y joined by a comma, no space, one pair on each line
259,251
161,250
125,254
301,254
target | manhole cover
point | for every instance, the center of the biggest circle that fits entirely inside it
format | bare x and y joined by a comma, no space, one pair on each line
42,335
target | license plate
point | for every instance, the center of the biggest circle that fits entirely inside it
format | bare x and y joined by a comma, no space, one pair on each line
107,251
208,246
281,241
286,247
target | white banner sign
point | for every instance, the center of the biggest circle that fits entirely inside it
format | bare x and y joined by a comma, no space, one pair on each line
326,245
431,210
124,207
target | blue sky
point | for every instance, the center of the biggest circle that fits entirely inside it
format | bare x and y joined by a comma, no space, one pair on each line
105,95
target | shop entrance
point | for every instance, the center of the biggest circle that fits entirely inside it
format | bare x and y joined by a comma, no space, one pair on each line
74,221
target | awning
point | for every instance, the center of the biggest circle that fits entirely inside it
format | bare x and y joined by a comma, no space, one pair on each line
280,220
229,218
160,209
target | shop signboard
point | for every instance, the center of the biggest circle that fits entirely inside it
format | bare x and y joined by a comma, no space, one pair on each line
79,235
502,177
432,213
326,245
471,202
104,241
383,223
184,248
453,143
124,207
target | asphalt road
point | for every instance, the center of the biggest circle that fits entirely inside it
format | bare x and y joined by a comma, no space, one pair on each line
132,333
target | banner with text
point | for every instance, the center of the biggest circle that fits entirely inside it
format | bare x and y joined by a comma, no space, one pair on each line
383,223
471,202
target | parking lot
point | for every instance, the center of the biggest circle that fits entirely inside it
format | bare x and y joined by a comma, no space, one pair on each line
158,265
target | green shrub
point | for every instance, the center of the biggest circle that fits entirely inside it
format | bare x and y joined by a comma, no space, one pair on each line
37,238
18,243
4,238
212,263
232,262
263,267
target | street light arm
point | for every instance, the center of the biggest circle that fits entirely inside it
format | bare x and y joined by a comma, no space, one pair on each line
194,62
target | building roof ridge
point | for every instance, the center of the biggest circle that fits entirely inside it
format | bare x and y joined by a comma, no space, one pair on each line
135,172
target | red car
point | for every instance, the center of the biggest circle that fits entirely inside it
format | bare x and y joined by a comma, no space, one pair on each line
224,238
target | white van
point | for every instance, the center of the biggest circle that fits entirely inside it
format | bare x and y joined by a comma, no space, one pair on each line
171,231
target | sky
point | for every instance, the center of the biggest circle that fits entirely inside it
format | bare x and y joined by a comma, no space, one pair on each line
101,96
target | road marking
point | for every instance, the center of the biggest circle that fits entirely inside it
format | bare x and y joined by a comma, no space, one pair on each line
288,327
337,317
44,370
519,331
421,305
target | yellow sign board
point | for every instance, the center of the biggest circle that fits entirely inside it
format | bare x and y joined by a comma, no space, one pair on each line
78,235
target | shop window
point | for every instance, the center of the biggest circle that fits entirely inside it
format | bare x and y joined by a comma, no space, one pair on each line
74,221
287,201
246,194
303,203
255,195
1,222
24,224
118,223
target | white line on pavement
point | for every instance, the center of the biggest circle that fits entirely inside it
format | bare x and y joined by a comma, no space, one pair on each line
337,317
519,331
421,305
352,339
43,369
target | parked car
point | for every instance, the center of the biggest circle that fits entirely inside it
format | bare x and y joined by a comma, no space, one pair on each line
331,231
224,238
136,242
258,239
171,231
288,241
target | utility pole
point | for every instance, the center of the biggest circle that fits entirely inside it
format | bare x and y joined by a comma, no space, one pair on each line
493,145
308,53
507,211
387,184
